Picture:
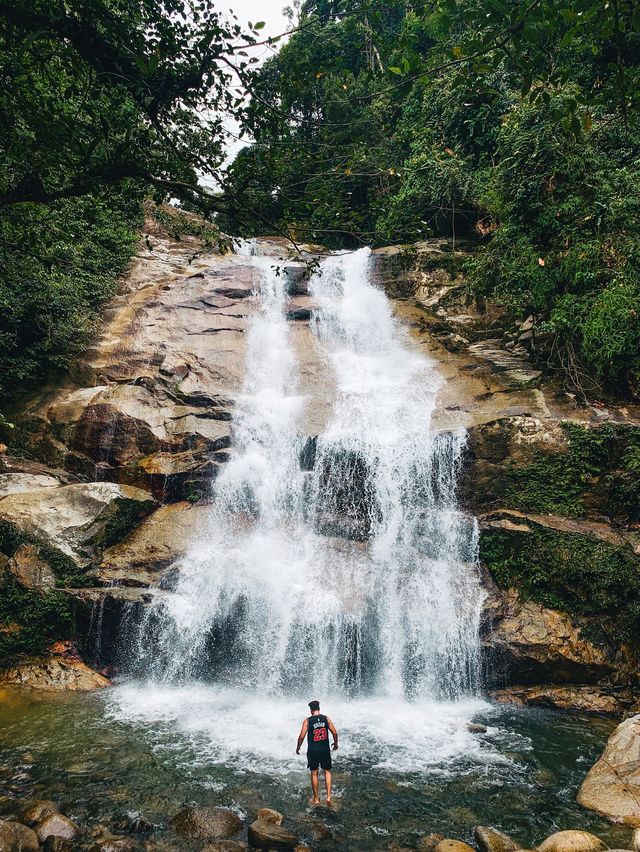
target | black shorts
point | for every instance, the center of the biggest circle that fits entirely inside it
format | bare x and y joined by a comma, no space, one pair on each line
318,758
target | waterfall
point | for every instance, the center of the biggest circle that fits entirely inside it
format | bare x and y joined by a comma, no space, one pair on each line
339,565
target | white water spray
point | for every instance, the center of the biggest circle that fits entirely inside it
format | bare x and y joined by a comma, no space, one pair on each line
340,565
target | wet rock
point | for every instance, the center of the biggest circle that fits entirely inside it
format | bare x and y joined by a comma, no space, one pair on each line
15,837
530,643
76,519
492,840
301,847
269,815
56,825
266,835
429,842
54,675
225,846
37,811
572,841
475,728
59,844
115,844
586,699
635,840
137,825
612,785
448,845
209,822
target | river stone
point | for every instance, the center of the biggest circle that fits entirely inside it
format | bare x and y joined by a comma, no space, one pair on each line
572,841
492,840
475,728
635,840
225,846
449,845
266,835
115,844
38,811
211,822
56,825
15,837
612,785
269,815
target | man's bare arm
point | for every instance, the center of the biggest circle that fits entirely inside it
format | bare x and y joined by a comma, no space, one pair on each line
332,728
303,734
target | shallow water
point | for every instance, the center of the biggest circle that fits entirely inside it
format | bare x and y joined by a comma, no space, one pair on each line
402,770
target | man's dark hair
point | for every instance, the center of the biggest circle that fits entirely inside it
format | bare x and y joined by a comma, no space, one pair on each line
314,705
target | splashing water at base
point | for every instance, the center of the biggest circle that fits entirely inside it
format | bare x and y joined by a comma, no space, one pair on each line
339,566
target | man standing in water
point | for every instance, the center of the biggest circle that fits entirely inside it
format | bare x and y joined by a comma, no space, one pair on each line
316,729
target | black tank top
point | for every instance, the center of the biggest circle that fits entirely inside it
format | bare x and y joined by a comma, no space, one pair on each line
318,733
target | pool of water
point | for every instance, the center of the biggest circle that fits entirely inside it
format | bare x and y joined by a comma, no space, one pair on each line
403,770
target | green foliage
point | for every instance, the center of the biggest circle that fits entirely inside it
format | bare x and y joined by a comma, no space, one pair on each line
516,123
574,573
58,265
606,458
31,621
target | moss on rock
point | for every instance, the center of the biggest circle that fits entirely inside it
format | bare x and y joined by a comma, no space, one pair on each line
600,468
580,575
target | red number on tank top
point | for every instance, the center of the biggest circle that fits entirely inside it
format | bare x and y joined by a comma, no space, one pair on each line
319,734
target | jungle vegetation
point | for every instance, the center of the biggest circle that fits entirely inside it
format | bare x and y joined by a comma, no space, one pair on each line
513,123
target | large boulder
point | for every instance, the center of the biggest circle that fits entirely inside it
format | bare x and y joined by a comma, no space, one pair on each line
612,785
269,835
55,674
450,845
206,823
15,837
75,520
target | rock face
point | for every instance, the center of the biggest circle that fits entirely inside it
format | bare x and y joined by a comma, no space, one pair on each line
586,699
206,823
55,674
612,786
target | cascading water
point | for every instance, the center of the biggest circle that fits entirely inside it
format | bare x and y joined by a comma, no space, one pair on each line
339,565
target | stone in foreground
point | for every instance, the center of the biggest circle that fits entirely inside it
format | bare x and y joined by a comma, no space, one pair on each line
270,815
206,823
572,841
267,835
612,786
492,840
17,838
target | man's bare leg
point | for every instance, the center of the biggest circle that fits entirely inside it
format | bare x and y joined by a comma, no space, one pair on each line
314,786
327,782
